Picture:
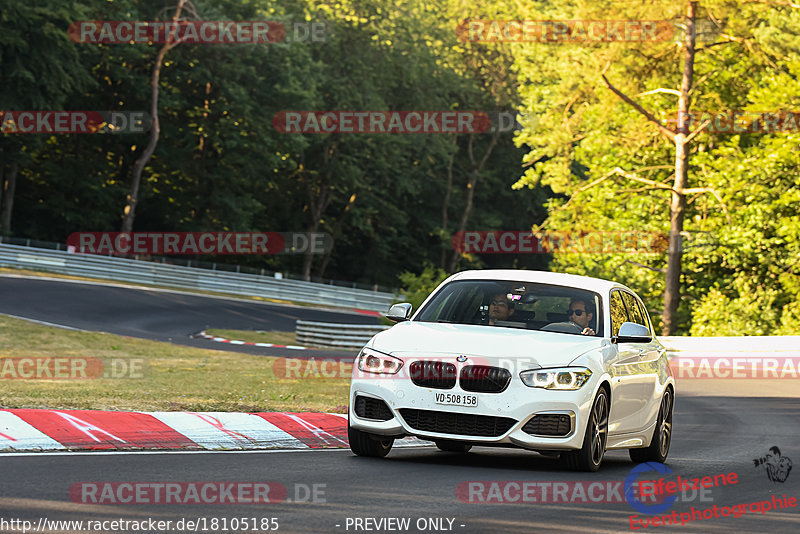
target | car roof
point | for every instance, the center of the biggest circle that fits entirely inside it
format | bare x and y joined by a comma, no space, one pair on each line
543,277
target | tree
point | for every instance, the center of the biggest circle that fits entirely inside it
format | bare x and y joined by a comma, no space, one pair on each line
40,68
129,214
596,137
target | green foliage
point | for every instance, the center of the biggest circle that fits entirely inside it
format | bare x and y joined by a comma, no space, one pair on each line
220,165
744,228
749,312
790,320
417,287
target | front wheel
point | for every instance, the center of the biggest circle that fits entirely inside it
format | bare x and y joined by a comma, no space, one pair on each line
365,444
589,457
662,435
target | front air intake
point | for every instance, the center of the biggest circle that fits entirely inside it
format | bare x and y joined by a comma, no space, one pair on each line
556,425
371,408
461,424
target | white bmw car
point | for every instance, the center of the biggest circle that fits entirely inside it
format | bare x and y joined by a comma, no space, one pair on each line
560,364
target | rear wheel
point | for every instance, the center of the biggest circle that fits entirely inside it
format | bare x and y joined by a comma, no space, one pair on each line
453,446
662,435
366,444
589,457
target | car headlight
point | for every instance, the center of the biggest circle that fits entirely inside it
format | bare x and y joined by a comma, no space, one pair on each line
372,361
563,378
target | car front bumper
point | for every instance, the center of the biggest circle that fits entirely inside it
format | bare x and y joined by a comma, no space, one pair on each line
517,402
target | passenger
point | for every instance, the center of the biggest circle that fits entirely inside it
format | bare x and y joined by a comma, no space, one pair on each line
500,309
581,314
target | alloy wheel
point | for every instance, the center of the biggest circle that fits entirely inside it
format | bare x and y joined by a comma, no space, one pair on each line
599,428
665,416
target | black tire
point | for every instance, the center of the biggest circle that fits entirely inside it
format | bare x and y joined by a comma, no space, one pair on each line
453,446
365,444
662,434
590,456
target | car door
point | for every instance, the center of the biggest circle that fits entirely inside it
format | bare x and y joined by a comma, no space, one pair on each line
625,390
644,364
650,368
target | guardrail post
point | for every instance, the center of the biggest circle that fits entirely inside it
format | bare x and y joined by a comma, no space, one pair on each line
347,336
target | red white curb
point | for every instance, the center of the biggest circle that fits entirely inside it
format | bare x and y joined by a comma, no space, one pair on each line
202,334
368,312
39,430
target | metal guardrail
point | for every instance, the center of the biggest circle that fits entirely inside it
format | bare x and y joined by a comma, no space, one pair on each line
347,336
728,346
356,336
175,276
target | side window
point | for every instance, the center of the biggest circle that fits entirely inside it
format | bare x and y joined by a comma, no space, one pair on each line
647,322
634,313
618,313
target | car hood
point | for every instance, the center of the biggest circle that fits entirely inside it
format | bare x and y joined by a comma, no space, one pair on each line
415,339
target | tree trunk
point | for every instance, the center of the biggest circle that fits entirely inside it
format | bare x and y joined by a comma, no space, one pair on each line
9,187
475,169
317,206
335,233
319,197
462,225
129,214
446,203
2,182
677,209
308,257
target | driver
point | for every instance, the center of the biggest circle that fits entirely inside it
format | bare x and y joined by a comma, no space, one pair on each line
500,309
581,314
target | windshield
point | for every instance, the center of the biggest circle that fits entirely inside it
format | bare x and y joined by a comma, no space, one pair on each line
525,305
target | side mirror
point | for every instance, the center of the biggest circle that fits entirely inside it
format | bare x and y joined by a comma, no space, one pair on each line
632,333
399,312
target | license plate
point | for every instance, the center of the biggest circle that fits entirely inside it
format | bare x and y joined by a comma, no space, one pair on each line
456,399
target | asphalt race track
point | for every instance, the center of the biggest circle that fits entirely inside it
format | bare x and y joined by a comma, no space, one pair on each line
713,435
159,315
720,427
